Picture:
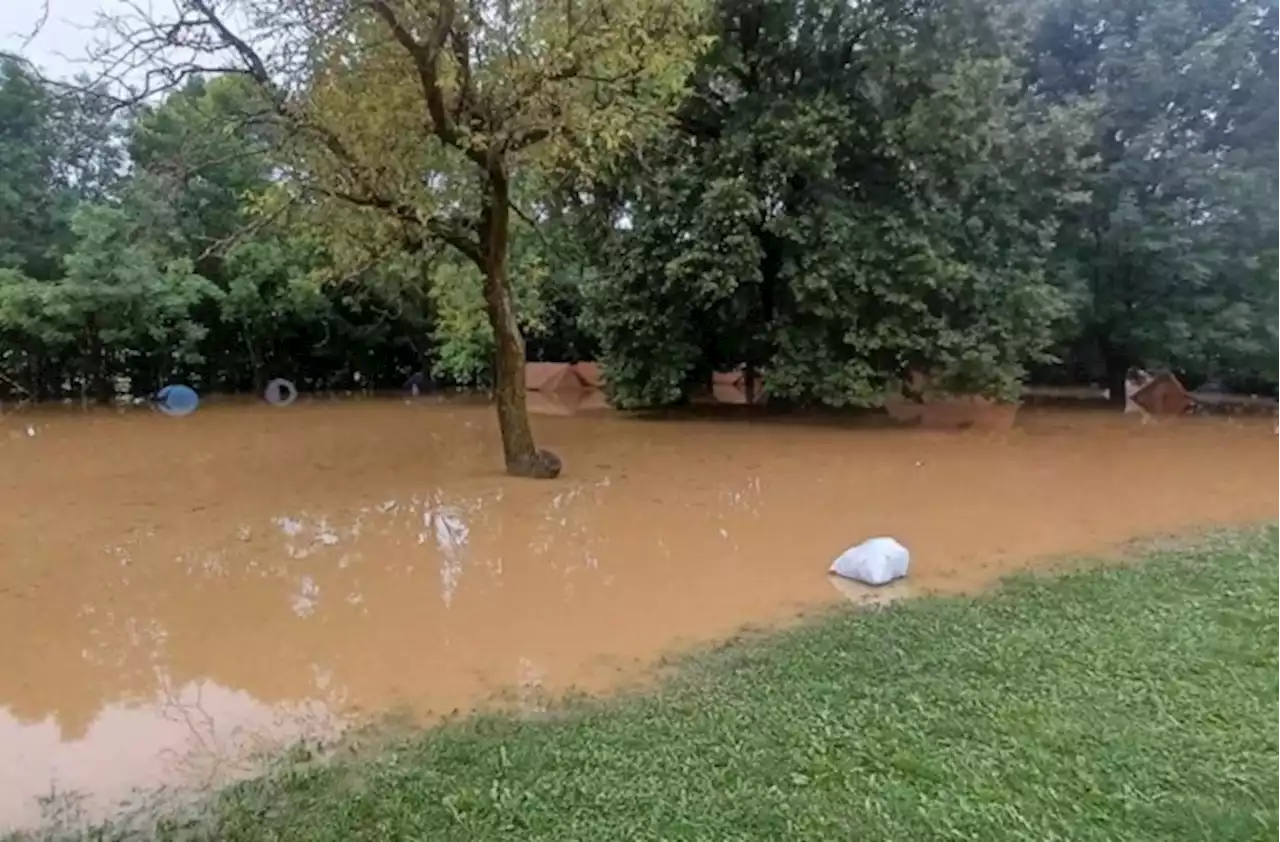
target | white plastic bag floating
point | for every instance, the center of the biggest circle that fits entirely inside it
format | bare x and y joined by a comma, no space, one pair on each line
876,561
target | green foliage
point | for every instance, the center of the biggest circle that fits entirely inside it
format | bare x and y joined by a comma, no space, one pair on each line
28,205
841,209
208,147
463,334
846,195
197,211
1173,258
57,149
123,295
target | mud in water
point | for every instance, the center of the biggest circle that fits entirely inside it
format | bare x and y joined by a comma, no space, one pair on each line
179,595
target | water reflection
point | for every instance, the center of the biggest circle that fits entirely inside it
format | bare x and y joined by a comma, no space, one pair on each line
386,562
199,733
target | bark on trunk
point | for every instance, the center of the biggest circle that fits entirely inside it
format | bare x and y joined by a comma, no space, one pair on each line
255,362
100,384
521,455
750,380
1117,374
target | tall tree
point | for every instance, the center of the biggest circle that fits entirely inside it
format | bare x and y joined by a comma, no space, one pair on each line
1172,260
31,220
408,119
857,192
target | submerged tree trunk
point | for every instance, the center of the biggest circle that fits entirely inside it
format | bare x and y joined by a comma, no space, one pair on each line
100,385
1117,374
521,455
750,381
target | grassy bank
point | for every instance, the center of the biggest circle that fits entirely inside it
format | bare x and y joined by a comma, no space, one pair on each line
1137,703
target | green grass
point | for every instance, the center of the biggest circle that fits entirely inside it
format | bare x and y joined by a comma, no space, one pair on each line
1130,703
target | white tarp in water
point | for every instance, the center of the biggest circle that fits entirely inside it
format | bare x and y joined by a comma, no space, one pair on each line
876,561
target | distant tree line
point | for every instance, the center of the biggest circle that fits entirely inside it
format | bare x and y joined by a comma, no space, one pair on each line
830,195
134,246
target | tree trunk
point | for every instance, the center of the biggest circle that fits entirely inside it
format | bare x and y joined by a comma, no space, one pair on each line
36,377
258,376
749,382
522,457
1117,374
100,385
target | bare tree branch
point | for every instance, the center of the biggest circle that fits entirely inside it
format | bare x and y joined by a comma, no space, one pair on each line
41,20
426,62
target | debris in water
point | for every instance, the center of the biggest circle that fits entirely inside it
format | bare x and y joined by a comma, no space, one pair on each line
876,561
177,400
280,392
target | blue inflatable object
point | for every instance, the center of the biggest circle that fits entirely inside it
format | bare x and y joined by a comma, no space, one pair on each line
177,400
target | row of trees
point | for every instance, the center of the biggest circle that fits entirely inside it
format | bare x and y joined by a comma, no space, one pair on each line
145,245
834,196
965,190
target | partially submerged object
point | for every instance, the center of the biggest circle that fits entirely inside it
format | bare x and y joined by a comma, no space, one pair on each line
876,561
590,374
280,392
953,412
177,400
920,402
559,377
550,377
731,387
565,401
1164,394
1133,384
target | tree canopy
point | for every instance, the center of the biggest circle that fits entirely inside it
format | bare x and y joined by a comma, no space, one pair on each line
839,199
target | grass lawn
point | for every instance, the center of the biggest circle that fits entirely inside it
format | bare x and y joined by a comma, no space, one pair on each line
1133,703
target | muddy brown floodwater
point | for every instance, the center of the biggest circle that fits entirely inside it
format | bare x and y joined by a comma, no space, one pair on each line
178,594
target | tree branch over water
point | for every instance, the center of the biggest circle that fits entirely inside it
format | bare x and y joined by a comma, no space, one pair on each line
424,113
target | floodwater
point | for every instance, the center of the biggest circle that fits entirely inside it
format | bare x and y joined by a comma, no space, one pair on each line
178,595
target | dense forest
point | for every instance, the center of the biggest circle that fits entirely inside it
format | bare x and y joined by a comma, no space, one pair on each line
830,194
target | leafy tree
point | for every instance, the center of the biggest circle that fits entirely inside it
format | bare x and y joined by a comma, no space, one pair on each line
1173,259
124,295
547,276
30,204
412,119
858,192
211,149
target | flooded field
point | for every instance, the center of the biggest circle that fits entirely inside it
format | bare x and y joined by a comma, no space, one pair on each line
177,595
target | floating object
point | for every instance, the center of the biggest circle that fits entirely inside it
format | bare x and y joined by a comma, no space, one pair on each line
280,392
1164,395
957,412
1134,384
731,387
177,400
876,561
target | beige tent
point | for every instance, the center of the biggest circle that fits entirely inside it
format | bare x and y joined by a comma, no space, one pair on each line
551,377
590,374
565,402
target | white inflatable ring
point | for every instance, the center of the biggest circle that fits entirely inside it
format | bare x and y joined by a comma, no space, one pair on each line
280,392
